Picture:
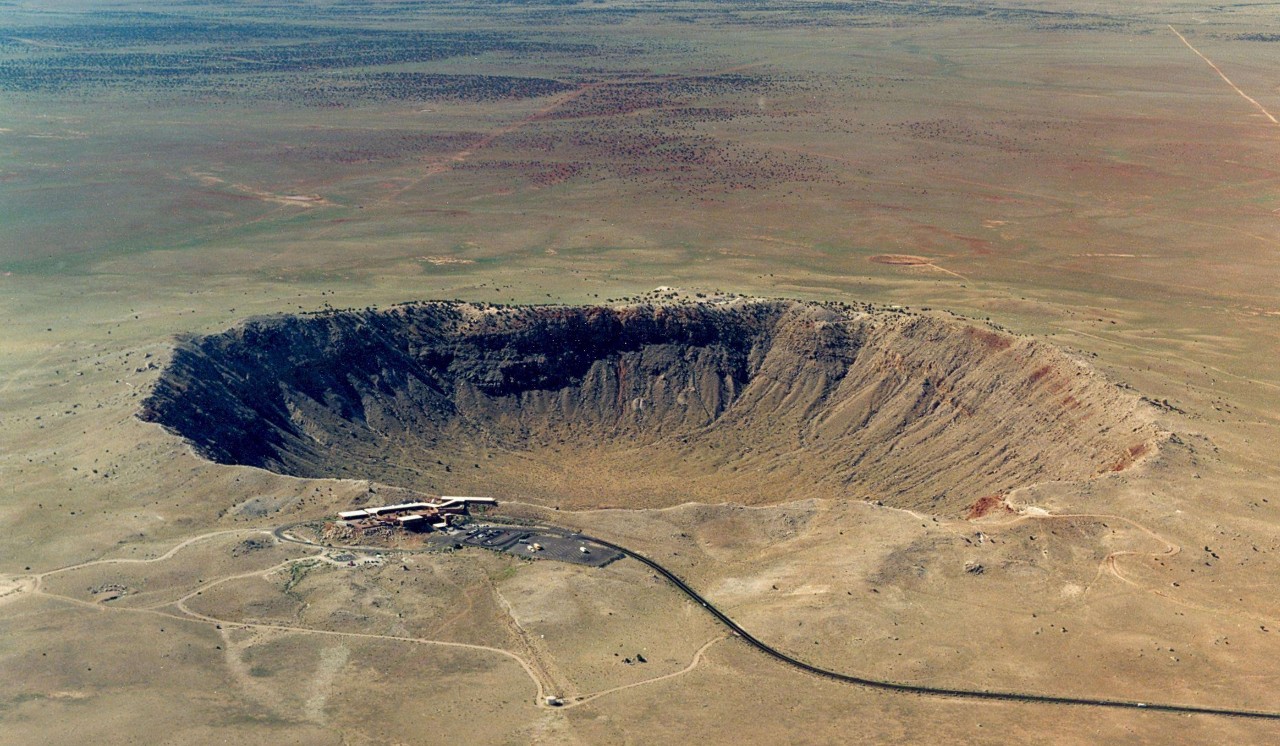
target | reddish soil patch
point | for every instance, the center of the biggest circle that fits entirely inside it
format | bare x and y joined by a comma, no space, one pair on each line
1039,373
985,505
988,339
900,259
1130,455
979,246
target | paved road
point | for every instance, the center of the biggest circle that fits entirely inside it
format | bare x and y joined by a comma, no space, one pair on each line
923,690
881,684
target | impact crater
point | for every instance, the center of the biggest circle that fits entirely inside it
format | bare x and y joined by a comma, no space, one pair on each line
748,400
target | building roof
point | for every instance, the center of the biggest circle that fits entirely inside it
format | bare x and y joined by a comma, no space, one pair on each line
467,499
448,503
368,512
398,508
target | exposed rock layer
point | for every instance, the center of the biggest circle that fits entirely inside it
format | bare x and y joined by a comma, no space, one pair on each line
756,401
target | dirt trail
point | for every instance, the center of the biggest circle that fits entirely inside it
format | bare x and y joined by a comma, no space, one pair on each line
1225,79
296,200
229,623
11,587
39,577
253,687
264,573
37,364
535,650
1234,296
1108,563
31,584
447,163
697,659
331,663
1167,354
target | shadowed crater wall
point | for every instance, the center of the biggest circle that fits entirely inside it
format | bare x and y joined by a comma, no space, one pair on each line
748,400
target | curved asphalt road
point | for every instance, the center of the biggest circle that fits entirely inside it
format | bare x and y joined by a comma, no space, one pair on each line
891,686
911,688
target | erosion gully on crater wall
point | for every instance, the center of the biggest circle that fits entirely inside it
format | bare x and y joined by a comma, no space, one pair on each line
754,401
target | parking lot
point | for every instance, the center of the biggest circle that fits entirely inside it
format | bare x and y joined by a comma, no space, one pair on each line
536,543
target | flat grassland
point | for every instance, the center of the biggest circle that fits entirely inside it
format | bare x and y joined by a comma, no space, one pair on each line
1101,176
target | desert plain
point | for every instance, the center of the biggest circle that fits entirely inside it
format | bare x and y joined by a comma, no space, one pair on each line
1092,178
